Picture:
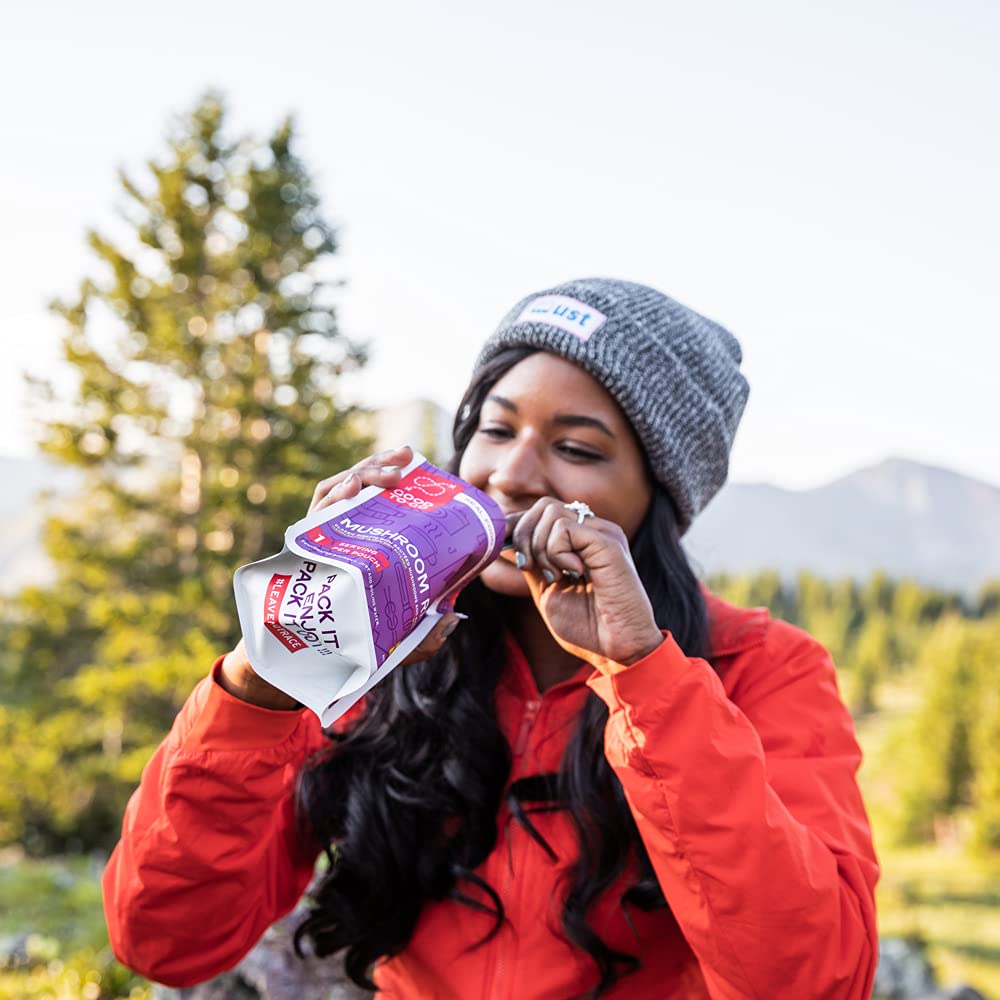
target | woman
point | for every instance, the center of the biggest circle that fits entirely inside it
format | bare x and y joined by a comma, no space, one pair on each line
607,782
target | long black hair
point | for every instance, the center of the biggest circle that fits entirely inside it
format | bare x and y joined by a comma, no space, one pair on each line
405,801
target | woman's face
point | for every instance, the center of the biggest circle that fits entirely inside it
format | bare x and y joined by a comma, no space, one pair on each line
547,428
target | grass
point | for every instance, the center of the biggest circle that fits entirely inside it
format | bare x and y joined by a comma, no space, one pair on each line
947,899
58,898
65,955
951,902
941,895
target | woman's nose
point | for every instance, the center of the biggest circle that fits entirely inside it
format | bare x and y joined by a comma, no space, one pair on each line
520,471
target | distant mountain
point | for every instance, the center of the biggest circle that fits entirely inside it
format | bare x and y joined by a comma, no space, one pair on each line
907,519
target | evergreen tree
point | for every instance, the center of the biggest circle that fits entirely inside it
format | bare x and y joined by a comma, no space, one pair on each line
877,594
828,611
988,600
873,658
986,749
947,743
206,355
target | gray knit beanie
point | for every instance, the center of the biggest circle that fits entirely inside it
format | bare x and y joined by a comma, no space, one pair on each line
674,373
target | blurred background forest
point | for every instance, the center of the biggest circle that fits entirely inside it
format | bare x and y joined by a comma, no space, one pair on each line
206,354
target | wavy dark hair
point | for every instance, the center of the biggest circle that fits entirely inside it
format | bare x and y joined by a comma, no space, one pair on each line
405,801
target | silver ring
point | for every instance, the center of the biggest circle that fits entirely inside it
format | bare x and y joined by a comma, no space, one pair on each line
581,510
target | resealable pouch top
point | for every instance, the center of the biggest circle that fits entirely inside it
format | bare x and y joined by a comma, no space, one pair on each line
360,583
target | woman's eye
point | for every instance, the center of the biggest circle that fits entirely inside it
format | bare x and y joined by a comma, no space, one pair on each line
580,454
495,432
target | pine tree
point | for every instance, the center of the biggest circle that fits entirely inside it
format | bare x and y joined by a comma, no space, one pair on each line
988,599
941,741
206,355
986,745
873,658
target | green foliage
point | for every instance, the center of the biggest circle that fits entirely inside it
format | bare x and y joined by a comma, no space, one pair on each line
949,785
988,603
937,776
206,354
54,909
59,898
830,612
985,751
84,974
760,590
950,901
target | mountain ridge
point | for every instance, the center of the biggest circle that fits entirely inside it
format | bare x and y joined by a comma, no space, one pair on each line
906,518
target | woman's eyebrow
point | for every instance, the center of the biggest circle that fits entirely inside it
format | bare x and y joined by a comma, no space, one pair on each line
560,419
501,401
578,420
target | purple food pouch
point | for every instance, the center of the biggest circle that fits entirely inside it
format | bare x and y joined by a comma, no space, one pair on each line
360,583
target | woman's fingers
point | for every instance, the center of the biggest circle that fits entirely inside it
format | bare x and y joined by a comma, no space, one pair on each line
551,560
349,484
381,469
434,640
561,548
543,539
391,456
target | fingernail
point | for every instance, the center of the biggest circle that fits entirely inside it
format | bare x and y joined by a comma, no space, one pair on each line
550,577
390,468
572,574
520,560
352,479
461,617
448,629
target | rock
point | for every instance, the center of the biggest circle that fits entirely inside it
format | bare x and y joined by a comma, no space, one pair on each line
228,986
905,974
278,973
14,951
272,971
27,949
903,971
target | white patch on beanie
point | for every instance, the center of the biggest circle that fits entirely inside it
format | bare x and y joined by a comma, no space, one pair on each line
568,314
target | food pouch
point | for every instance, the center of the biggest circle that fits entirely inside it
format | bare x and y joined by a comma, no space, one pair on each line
360,583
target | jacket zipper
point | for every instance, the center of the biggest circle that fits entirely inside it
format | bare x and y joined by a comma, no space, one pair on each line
527,722
531,709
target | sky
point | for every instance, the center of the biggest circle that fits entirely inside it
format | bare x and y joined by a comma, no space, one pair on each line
820,178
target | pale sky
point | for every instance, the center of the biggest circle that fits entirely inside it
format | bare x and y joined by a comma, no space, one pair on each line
822,179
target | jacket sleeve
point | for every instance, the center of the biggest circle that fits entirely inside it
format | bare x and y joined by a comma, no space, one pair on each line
751,814
210,855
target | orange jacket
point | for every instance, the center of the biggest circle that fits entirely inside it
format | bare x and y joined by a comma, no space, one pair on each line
743,790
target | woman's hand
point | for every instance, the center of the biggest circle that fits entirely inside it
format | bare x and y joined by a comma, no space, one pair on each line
585,585
383,470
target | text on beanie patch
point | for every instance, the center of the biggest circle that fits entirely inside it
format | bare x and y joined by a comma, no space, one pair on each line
564,312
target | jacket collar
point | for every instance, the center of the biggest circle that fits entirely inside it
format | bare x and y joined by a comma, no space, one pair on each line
519,679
